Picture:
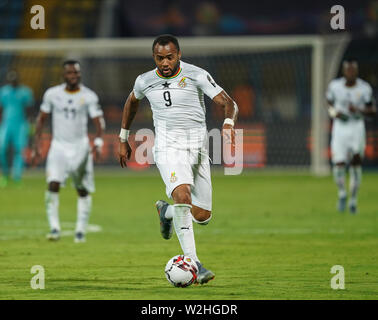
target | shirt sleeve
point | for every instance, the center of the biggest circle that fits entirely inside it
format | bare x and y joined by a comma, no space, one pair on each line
94,108
330,94
368,94
46,105
206,83
138,88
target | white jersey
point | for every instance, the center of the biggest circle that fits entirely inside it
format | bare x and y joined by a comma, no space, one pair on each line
342,97
348,137
70,112
177,103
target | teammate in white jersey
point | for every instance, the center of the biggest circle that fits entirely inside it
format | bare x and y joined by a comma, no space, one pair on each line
175,90
350,99
70,154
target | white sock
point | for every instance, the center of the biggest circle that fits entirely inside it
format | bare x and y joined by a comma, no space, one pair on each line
84,206
52,209
339,177
169,212
182,222
355,177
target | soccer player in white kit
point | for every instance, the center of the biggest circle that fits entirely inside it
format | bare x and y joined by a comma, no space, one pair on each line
350,99
175,90
70,153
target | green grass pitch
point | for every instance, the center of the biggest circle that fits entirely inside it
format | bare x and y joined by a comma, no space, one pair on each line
273,236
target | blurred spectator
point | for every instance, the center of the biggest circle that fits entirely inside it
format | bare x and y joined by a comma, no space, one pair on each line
323,22
232,25
207,20
14,128
140,18
371,21
121,24
171,21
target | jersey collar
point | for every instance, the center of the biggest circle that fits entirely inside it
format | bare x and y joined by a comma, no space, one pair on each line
72,92
171,77
354,86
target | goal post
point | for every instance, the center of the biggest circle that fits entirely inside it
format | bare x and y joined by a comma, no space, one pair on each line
326,58
279,83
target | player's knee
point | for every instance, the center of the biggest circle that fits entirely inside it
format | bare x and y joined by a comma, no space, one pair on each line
54,186
82,192
356,160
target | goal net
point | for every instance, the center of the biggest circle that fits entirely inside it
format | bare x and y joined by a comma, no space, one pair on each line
278,82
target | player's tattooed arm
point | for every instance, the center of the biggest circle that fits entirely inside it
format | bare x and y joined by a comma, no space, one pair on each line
229,106
129,111
230,112
41,119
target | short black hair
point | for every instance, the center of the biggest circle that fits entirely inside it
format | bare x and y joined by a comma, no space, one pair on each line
350,61
164,39
70,62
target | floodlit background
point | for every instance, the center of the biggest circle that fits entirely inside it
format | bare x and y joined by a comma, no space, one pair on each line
275,232
275,85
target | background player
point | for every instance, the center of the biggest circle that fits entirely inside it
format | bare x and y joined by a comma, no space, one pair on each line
350,99
70,104
175,90
14,129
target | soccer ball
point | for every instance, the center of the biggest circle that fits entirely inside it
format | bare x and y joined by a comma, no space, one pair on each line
181,271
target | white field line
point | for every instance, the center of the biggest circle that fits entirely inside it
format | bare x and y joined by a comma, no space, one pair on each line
286,231
36,229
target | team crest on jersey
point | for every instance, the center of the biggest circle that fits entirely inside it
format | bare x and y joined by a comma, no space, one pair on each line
182,83
173,177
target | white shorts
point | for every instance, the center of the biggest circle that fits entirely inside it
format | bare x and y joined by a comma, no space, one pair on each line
65,160
184,166
347,140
